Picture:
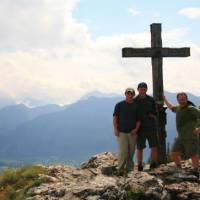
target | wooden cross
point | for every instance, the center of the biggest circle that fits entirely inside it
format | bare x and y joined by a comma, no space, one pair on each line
157,52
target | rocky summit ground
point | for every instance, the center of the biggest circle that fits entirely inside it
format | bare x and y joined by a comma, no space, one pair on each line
96,180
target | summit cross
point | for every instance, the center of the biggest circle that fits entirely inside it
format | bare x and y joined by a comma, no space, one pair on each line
157,52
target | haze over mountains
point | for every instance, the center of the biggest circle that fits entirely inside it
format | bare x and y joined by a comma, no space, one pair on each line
14,115
67,133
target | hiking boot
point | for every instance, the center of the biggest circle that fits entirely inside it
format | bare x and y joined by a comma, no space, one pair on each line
153,165
140,168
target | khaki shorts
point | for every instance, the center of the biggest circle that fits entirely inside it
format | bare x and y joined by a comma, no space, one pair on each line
150,136
187,147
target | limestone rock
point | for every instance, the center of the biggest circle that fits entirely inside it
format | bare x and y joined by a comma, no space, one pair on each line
96,180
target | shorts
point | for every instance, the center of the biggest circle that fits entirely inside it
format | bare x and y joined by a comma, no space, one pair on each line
150,136
186,147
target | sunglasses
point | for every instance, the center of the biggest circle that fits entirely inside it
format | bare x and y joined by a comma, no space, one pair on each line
129,93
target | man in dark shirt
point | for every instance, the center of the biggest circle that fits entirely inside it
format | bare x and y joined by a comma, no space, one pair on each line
147,131
126,124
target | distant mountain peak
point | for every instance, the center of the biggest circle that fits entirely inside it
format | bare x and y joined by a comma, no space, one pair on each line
98,94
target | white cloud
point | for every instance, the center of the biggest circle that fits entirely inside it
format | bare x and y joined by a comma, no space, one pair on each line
183,74
134,12
38,24
175,37
50,58
192,13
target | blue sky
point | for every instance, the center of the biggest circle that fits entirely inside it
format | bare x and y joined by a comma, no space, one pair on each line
114,17
58,51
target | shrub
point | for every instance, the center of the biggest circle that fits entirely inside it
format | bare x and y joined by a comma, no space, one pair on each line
14,183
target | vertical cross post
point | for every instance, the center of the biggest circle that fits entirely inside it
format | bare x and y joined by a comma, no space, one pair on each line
157,62
157,76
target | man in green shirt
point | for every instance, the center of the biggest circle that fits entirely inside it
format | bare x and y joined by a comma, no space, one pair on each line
187,124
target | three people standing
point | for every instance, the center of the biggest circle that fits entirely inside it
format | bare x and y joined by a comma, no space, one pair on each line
134,121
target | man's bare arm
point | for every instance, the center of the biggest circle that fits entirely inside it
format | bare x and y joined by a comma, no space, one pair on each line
116,131
168,104
135,130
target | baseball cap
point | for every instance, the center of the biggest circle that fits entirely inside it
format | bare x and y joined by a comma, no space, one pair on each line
130,90
142,85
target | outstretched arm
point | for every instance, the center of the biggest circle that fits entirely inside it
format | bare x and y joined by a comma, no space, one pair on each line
168,104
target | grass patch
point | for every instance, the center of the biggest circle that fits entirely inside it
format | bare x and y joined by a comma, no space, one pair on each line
14,183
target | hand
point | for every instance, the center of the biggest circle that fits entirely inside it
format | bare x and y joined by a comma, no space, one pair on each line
134,131
152,116
163,96
196,131
116,131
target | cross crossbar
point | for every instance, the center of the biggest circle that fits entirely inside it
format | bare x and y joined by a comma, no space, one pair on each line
155,52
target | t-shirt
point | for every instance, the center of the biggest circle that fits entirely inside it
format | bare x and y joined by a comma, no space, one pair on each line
146,106
186,120
127,116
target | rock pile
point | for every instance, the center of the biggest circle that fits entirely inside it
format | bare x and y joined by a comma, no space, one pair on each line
96,180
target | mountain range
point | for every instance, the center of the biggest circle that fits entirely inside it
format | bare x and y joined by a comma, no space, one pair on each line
54,133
